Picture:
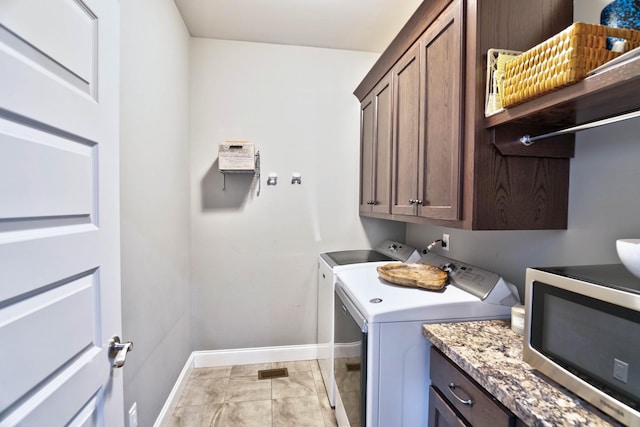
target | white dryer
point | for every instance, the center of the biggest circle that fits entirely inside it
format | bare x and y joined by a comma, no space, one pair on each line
329,264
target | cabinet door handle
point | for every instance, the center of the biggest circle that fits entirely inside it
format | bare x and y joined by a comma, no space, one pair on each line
412,201
419,202
452,388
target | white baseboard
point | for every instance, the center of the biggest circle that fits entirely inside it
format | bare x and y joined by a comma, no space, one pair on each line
240,356
246,356
172,400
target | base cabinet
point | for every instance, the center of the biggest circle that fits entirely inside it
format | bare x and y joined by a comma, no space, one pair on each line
455,399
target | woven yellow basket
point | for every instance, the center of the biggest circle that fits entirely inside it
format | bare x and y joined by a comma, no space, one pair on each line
564,59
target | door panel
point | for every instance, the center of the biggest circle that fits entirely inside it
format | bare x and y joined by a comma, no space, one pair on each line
57,402
383,137
60,323
440,171
59,181
375,155
54,246
72,48
367,117
32,72
59,217
406,89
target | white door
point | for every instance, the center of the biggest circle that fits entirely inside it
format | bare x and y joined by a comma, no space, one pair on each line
59,213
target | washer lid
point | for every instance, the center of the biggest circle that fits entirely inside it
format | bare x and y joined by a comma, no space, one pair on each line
385,251
354,257
381,301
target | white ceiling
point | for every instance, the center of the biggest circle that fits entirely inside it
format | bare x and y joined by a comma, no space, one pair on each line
364,25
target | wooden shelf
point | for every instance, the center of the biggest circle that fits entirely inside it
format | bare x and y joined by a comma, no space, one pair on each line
610,93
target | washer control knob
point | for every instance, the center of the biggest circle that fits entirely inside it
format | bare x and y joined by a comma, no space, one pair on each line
375,300
448,267
393,247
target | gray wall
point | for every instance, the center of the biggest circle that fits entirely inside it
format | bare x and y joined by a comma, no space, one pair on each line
604,205
154,201
588,10
254,258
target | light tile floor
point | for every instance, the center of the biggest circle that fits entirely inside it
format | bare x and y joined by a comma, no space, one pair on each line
233,396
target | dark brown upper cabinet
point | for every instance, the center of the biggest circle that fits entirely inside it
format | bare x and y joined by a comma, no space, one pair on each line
446,168
375,149
406,133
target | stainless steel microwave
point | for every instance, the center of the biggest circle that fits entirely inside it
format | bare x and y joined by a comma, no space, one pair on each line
582,330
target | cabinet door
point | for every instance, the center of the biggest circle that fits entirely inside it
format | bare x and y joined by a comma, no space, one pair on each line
366,153
441,117
382,134
440,414
375,149
406,132
465,396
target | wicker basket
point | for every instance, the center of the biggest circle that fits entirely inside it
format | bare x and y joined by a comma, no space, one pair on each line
496,61
564,59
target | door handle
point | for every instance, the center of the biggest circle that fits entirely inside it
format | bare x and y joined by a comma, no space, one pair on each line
118,350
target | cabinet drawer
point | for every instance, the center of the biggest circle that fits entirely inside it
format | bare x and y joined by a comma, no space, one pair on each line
440,413
479,409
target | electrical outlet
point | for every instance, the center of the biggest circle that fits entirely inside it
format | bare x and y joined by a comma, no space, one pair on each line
133,415
445,241
620,370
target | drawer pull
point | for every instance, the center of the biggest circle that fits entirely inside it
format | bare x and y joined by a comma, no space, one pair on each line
452,388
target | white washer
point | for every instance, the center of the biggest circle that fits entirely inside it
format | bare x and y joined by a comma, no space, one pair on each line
329,264
397,354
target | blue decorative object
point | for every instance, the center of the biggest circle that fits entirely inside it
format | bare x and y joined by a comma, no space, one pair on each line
621,14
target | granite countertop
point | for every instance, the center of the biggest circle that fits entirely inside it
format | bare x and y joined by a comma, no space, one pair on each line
491,353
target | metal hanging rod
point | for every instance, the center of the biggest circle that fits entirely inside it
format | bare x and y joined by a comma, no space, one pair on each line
529,140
